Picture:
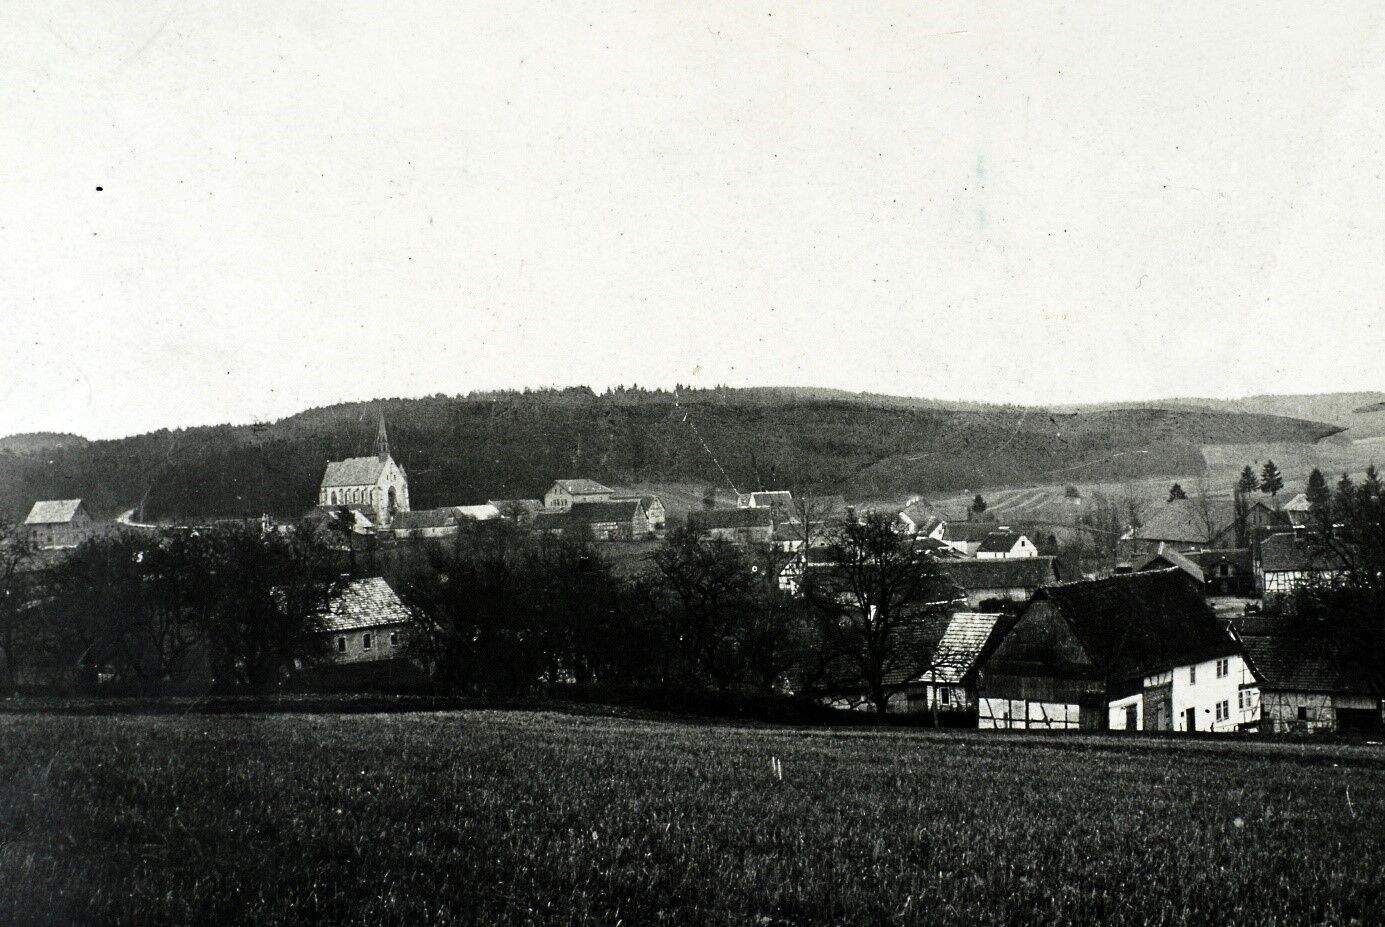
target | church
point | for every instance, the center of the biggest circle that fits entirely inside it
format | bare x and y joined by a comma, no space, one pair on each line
375,485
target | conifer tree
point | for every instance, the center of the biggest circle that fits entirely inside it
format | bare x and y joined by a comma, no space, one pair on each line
978,505
1318,494
1176,492
1248,481
1271,480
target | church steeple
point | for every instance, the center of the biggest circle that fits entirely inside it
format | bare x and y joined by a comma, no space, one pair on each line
382,441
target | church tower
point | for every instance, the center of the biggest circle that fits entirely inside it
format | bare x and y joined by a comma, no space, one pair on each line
382,441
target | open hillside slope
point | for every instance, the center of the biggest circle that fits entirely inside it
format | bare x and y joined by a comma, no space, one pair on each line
466,449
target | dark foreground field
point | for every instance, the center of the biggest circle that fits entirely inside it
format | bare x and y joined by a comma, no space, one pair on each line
508,818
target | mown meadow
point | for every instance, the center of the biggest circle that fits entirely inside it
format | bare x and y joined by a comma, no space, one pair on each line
493,817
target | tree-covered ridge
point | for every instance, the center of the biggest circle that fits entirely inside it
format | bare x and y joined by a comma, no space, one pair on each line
460,449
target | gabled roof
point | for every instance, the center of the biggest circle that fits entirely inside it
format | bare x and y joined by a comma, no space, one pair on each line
1166,557
1137,624
645,501
961,647
582,487
484,512
999,542
1298,503
1284,658
420,519
771,498
969,531
354,471
1237,557
1182,521
53,512
588,513
1016,573
710,519
922,516
1287,552
364,603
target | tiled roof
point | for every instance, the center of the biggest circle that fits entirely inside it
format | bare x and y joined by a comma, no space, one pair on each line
353,471
53,512
1137,624
1014,573
709,519
528,506
582,487
1285,552
365,603
1166,557
483,512
956,655
1237,557
588,513
645,501
774,498
421,519
1182,521
1299,662
969,531
999,542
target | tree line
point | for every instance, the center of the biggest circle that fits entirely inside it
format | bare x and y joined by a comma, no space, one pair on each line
497,611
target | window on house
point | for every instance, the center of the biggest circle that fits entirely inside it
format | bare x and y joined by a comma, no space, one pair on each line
1303,712
1192,675
1223,667
366,641
944,695
1241,700
394,638
1223,710
341,645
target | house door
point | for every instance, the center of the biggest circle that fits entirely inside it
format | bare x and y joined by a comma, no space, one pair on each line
1191,714
1131,717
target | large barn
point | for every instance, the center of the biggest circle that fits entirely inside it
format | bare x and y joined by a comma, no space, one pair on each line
1140,651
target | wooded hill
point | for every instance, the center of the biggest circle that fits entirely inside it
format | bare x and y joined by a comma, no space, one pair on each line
460,450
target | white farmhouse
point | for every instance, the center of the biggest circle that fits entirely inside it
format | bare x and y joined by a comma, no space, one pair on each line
1139,651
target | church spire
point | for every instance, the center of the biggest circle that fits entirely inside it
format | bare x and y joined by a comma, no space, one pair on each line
382,440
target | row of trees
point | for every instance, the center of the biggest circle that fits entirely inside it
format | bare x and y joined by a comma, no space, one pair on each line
499,611
234,606
1345,603
505,612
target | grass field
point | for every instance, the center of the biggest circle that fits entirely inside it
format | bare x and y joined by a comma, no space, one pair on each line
509,818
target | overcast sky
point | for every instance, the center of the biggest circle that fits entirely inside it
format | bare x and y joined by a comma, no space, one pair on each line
229,211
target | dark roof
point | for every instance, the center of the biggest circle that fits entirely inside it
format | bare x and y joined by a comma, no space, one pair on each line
589,513
1166,557
365,603
999,542
1009,573
1284,658
709,519
1286,552
528,506
425,518
354,471
1183,521
645,501
582,487
1136,624
1238,557
969,531
53,512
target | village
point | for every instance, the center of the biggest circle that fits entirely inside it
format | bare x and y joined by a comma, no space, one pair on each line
1189,629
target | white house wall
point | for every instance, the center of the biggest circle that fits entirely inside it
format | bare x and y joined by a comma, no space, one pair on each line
1007,713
